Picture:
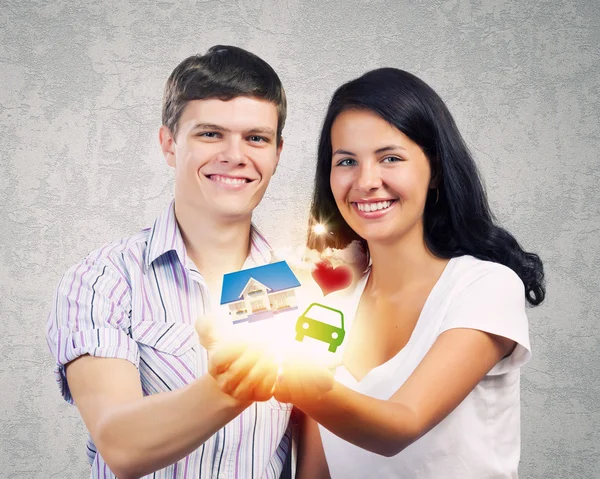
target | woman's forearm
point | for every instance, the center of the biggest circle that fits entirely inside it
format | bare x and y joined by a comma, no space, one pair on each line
312,463
145,435
382,427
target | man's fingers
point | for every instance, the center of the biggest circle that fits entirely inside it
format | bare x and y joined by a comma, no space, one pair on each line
239,372
257,384
213,329
266,380
221,358
234,363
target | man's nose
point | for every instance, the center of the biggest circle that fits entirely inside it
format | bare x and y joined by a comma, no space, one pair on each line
369,177
233,152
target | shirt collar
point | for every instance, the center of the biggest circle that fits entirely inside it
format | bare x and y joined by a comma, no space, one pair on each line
165,236
260,250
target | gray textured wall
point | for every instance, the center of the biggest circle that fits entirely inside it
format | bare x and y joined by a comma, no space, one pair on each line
80,91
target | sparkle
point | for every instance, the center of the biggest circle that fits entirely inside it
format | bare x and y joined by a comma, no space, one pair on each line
319,229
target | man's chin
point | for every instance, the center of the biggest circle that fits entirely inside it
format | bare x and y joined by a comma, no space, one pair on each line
233,213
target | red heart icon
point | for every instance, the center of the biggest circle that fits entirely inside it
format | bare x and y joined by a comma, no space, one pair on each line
331,279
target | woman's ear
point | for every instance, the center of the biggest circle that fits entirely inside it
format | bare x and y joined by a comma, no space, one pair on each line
436,178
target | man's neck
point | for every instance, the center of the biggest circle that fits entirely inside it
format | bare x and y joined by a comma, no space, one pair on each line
215,247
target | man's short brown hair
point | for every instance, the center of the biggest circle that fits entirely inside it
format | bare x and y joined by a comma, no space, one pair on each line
224,72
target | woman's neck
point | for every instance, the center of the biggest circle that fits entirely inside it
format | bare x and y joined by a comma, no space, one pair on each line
403,263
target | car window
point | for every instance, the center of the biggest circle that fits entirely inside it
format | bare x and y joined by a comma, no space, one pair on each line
324,315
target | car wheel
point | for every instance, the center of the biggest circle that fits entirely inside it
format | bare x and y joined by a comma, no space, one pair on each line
332,348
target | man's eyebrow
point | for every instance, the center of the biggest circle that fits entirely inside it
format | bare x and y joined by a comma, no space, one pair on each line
265,130
379,150
209,126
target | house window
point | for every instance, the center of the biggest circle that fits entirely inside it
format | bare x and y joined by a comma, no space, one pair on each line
258,306
280,301
238,308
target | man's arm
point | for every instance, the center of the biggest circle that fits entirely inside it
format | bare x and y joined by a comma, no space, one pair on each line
137,435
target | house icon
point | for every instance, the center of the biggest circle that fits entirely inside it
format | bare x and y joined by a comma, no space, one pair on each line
259,293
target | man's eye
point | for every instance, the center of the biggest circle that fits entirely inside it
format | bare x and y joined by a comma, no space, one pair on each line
258,139
209,134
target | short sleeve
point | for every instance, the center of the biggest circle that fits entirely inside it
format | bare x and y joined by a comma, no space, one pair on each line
494,302
90,315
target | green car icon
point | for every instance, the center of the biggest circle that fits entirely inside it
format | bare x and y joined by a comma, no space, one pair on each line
323,323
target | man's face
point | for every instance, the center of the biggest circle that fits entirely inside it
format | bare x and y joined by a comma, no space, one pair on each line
224,155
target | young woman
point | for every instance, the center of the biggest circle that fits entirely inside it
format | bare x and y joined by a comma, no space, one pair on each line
429,386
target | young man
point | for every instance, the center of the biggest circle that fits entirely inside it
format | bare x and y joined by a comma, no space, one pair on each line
122,322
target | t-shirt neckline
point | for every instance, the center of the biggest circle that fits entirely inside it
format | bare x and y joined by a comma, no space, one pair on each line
430,302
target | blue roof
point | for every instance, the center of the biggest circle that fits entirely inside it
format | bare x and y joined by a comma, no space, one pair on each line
276,276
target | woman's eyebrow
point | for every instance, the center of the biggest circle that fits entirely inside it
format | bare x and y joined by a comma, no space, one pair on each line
383,149
390,148
343,152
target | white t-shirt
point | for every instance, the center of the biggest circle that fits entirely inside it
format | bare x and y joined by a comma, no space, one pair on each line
480,439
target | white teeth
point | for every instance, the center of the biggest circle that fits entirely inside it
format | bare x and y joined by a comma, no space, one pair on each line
227,180
380,205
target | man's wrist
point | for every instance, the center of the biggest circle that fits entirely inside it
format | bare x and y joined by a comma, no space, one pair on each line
230,402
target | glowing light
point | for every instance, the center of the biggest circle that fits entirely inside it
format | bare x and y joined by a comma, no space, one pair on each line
319,229
277,336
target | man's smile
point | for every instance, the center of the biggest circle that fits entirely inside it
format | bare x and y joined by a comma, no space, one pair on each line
229,181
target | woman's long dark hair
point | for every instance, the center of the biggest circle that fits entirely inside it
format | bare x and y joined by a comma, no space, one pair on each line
457,223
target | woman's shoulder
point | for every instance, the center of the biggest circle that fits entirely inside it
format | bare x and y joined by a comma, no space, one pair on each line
468,271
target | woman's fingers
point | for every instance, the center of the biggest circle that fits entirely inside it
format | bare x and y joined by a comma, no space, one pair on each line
282,391
249,371
323,381
303,381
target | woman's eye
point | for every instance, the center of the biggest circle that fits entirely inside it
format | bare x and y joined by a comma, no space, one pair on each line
346,162
391,159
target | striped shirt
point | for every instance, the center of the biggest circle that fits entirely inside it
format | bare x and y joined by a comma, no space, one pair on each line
138,299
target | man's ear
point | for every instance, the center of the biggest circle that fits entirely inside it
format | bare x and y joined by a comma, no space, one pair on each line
279,148
167,145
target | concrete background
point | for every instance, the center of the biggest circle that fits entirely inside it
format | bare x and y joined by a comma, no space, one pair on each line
80,92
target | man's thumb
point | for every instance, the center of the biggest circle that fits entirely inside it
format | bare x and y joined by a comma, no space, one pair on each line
207,330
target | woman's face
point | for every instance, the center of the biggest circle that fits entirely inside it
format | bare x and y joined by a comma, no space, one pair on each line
379,177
